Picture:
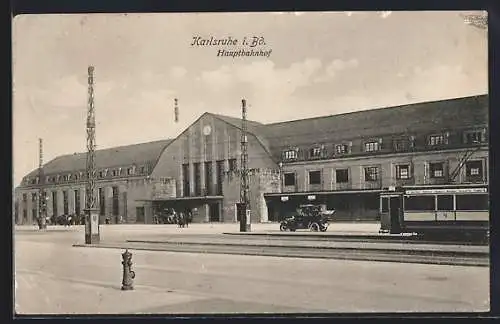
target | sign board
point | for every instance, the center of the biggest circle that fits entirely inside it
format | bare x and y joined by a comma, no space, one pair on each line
311,197
94,223
446,191
284,198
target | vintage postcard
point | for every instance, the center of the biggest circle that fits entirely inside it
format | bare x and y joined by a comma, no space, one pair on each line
251,163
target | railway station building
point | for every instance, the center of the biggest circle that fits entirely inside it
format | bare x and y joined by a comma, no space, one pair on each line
343,161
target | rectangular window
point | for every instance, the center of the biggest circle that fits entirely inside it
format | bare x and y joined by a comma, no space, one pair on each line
115,201
220,176
342,176
232,165
341,149
413,203
371,174
208,178
54,203
474,169
102,202
25,197
436,169
33,197
290,154
385,205
314,177
185,179
444,202
372,146
77,202
290,179
143,170
403,171
439,139
65,203
197,179
472,202
474,137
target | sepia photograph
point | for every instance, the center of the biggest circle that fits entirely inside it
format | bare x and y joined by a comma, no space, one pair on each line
238,163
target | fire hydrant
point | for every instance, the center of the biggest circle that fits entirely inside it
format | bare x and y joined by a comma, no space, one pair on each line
128,274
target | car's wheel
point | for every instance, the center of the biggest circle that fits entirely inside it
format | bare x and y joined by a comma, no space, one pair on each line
292,229
314,227
283,227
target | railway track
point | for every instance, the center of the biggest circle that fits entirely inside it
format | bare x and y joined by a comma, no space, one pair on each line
433,256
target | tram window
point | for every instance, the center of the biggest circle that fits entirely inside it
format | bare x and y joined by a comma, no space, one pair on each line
472,202
444,202
419,203
385,205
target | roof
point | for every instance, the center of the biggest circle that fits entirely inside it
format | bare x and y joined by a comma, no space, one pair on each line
448,114
138,154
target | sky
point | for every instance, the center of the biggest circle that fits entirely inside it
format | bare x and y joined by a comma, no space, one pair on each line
321,63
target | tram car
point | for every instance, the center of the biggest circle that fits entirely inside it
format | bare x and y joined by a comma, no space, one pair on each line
446,210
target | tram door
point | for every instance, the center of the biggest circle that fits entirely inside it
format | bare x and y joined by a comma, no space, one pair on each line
391,208
395,210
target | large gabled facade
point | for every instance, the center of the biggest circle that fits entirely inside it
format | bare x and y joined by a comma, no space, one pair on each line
343,161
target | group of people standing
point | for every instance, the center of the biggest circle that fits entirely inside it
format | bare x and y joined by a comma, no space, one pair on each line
171,216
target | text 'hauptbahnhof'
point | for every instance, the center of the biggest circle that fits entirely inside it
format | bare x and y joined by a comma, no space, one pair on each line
345,161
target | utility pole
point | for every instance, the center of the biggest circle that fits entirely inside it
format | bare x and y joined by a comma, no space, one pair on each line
244,209
42,196
91,212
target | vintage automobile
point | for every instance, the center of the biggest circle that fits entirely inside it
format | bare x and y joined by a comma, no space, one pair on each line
312,217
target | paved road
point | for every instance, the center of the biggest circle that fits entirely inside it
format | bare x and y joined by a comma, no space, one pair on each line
53,277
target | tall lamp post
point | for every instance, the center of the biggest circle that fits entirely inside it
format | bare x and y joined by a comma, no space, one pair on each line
92,234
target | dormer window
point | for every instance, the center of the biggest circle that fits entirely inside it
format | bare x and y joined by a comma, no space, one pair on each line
101,174
129,171
475,136
143,170
373,146
403,143
341,149
291,154
438,139
119,171
316,152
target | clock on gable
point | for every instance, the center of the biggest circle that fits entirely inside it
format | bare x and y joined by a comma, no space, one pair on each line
207,130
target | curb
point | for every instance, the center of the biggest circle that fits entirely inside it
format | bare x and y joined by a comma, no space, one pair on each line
352,257
410,239
372,249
